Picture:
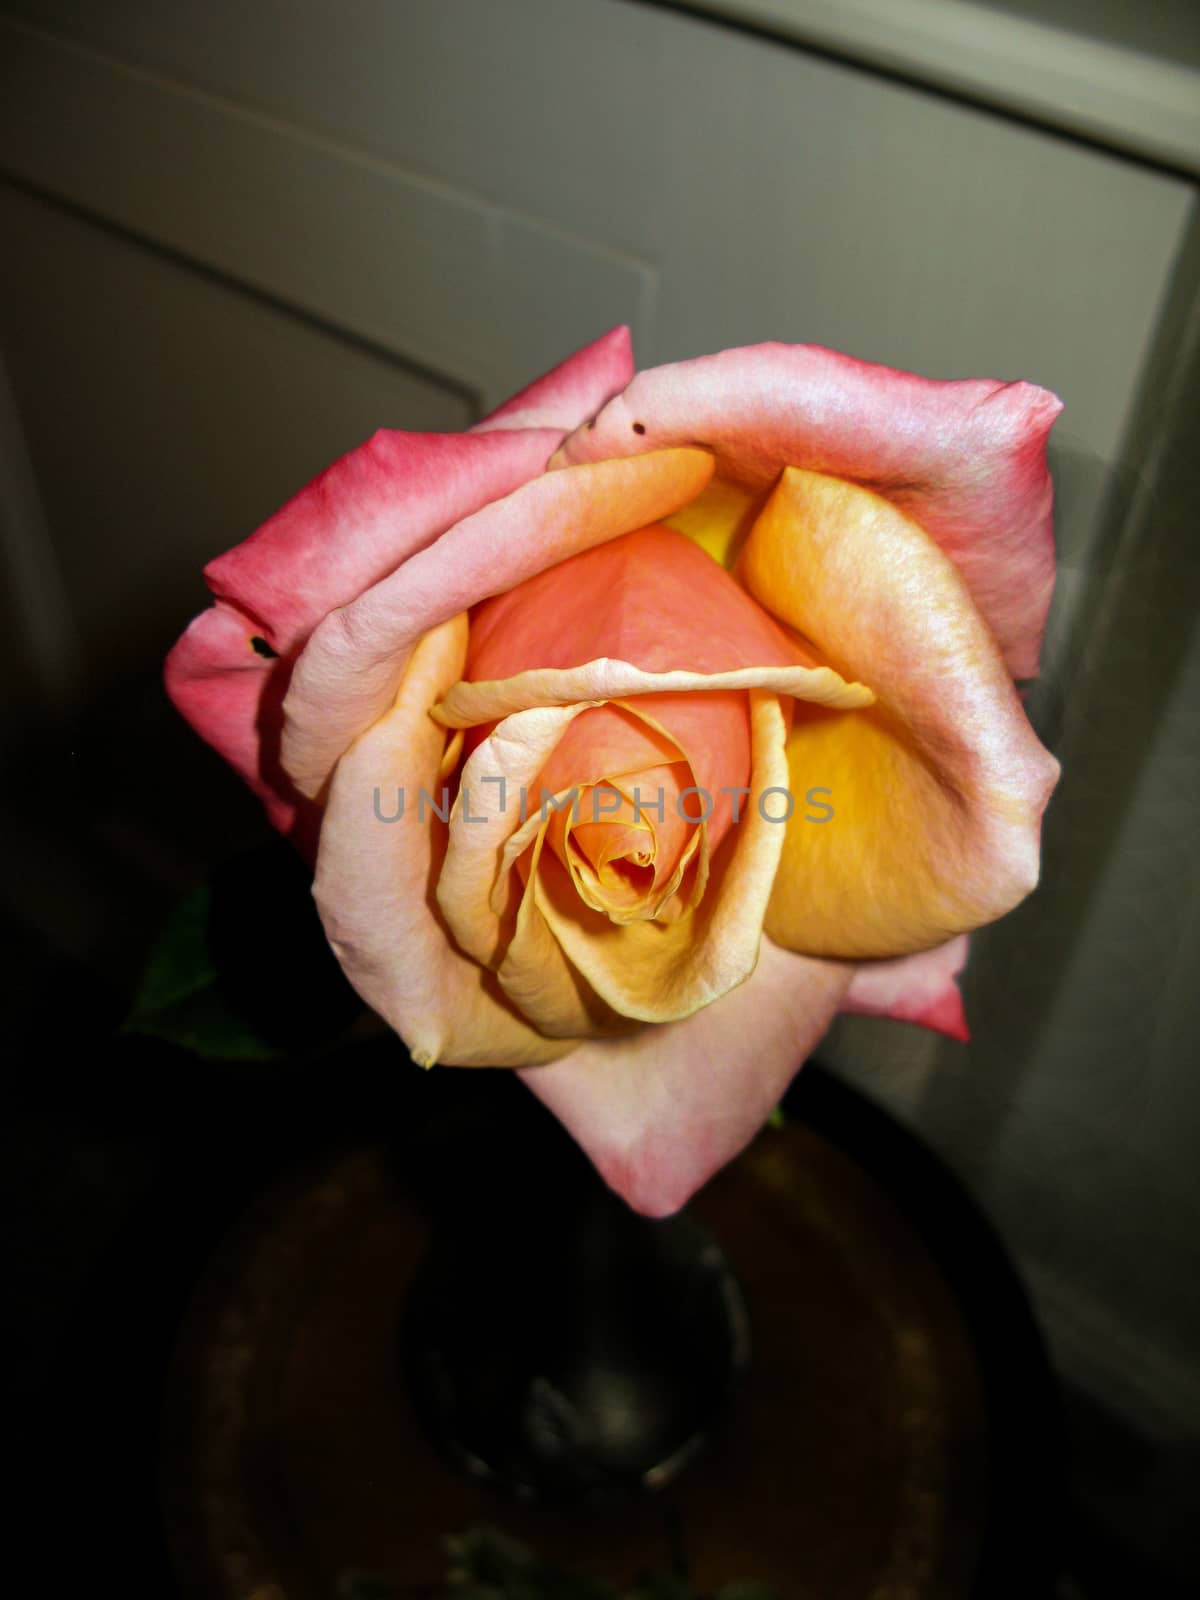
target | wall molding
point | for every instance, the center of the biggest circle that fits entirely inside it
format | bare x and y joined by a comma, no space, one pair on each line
1124,100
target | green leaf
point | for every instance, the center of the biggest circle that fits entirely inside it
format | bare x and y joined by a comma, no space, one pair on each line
182,997
243,971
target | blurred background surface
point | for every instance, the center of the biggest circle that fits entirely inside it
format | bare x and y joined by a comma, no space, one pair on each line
238,239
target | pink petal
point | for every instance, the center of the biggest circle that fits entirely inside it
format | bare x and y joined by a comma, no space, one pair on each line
918,988
233,698
364,516
964,459
571,392
658,1114
352,666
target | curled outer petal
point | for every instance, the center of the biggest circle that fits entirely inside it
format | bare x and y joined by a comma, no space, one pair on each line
375,885
918,988
939,788
232,695
571,392
660,1113
966,460
467,704
355,523
360,520
352,665
364,517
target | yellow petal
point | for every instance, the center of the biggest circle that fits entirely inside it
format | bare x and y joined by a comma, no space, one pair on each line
468,704
374,885
496,819
718,519
938,789
542,983
498,793
659,972
627,865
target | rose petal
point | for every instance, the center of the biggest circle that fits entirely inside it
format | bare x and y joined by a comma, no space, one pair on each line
965,459
486,817
571,392
541,982
233,697
939,789
658,1114
626,865
719,519
488,810
654,600
660,972
603,743
918,988
650,597
374,886
364,516
469,704
351,667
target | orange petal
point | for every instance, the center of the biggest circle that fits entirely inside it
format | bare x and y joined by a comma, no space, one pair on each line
495,820
653,600
938,790
603,757
627,864
604,742
658,971
650,598
711,731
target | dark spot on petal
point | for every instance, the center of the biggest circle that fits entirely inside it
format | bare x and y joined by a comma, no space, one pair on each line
260,647
591,425
639,427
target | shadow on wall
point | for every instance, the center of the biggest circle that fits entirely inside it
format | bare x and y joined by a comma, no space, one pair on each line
1132,616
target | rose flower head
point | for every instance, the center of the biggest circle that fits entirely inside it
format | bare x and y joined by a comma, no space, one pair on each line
639,730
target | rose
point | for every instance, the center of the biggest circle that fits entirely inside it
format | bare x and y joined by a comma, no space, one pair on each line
716,588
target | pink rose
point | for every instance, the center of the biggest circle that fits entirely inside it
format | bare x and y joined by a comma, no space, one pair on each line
753,621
